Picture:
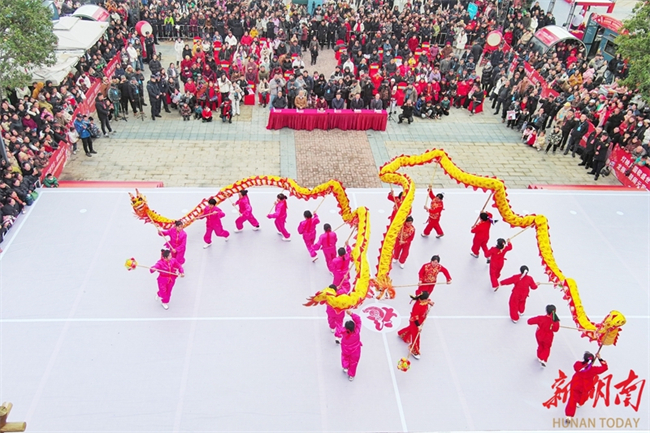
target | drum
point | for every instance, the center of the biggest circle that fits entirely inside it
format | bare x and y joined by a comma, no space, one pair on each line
494,38
143,28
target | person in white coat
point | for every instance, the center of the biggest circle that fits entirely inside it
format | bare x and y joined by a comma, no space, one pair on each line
178,48
236,96
460,42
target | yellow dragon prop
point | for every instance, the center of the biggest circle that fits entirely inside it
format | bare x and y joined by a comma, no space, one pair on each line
606,332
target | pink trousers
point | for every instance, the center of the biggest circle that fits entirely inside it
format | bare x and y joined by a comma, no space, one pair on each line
239,222
330,254
334,319
165,286
309,243
217,230
350,361
280,225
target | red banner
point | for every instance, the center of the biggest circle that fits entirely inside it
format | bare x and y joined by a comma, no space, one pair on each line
620,161
58,160
109,70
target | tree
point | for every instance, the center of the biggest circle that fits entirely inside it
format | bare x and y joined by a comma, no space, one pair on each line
26,40
634,46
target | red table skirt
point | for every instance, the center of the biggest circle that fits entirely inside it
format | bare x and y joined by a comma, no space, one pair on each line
346,120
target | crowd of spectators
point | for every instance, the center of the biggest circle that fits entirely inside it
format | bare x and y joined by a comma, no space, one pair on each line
37,118
426,58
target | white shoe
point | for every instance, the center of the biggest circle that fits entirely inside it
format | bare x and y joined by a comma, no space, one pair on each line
332,330
497,288
314,259
286,239
165,306
416,356
345,370
473,255
226,239
158,298
207,246
279,233
350,378
423,235
394,260
439,236
337,340
256,228
238,230
541,362
514,321
401,265
567,420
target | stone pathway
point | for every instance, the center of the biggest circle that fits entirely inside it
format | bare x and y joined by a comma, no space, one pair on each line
216,154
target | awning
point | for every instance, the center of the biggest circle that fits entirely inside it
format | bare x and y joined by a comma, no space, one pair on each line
76,34
65,62
92,13
546,37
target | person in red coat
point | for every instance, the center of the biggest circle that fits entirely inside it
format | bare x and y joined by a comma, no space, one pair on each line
403,243
481,232
435,210
546,327
583,382
397,202
419,312
523,284
496,257
429,274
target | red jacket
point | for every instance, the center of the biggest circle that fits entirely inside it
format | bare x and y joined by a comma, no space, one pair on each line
482,229
545,327
523,285
497,257
586,375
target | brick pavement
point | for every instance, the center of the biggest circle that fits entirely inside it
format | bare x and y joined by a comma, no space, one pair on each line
341,155
208,154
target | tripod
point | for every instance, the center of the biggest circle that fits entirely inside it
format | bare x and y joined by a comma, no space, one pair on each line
392,108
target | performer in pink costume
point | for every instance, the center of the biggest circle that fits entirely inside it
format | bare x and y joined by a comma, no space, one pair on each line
170,270
350,345
307,228
245,212
340,266
213,215
334,318
327,243
280,216
177,241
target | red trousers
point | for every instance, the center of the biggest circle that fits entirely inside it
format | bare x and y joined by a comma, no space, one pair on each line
577,396
401,251
479,243
517,305
411,336
495,273
544,349
433,225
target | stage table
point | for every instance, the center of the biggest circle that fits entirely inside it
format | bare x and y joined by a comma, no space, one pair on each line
346,120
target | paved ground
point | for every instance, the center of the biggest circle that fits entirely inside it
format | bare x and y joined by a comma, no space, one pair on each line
215,154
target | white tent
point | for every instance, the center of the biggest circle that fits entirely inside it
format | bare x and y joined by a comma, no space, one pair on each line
65,62
77,34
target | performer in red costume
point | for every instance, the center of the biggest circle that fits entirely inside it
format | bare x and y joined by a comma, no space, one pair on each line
583,382
397,202
419,312
481,232
429,274
546,327
213,215
403,243
435,209
523,284
496,257
168,270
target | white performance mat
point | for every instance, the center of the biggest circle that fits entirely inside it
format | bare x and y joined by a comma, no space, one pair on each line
85,347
